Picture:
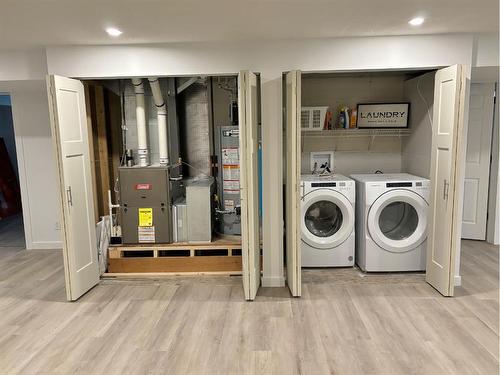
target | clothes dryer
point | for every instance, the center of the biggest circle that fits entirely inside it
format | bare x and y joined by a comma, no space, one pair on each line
391,222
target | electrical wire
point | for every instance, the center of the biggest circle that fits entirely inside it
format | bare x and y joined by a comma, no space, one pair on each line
196,169
122,158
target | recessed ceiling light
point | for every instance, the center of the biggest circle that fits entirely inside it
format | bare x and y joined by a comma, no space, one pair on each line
113,31
417,21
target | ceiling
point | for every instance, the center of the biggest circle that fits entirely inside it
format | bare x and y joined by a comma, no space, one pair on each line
35,23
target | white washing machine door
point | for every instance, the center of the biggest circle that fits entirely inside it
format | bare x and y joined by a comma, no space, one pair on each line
397,220
327,218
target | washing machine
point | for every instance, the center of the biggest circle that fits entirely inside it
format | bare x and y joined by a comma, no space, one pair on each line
327,221
391,222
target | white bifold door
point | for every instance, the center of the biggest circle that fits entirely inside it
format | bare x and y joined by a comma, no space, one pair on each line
71,144
477,167
293,211
249,181
446,178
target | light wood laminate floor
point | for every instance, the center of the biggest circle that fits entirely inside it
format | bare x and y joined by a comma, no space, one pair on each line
345,323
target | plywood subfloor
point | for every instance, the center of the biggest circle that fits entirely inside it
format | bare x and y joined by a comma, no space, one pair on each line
345,323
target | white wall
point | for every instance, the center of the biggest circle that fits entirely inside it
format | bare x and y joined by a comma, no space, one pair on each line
351,162
417,146
36,163
486,49
271,59
23,65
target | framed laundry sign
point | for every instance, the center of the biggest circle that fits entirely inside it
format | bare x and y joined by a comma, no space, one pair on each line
383,115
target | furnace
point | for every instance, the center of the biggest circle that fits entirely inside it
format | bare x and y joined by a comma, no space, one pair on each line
145,214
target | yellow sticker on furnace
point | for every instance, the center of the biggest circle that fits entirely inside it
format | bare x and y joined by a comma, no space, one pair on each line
145,217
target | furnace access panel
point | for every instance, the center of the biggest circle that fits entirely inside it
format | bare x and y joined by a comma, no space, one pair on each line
145,205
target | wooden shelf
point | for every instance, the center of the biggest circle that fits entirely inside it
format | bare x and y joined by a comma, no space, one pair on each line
339,133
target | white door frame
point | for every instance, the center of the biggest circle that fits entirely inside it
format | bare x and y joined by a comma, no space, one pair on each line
489,74
249,190
293,197
492,224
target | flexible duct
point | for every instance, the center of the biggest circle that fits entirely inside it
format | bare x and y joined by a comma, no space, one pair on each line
140,114
161,109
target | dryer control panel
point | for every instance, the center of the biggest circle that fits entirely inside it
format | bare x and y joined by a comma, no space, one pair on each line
399,184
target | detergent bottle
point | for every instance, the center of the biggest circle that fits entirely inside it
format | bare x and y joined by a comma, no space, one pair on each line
345,115
341,119
353,118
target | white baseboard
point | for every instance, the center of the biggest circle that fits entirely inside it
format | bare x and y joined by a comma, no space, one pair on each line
458,280
273,282
44,245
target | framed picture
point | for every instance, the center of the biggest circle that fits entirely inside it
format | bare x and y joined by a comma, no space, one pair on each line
383,115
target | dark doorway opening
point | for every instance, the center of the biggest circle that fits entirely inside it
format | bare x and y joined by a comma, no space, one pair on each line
11,221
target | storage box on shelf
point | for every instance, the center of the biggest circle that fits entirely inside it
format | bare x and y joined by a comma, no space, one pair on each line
313,118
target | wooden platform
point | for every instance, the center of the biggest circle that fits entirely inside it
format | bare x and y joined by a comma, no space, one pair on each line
217,256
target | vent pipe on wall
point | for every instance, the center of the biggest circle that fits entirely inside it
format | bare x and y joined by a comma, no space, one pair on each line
161,109
140,114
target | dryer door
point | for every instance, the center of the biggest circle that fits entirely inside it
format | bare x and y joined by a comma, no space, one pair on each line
327,218
397,220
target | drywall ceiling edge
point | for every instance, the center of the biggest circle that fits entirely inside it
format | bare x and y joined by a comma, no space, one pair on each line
270,58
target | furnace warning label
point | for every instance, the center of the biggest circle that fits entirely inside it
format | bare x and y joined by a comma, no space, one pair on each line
146,217
146,234
231,172
230,156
